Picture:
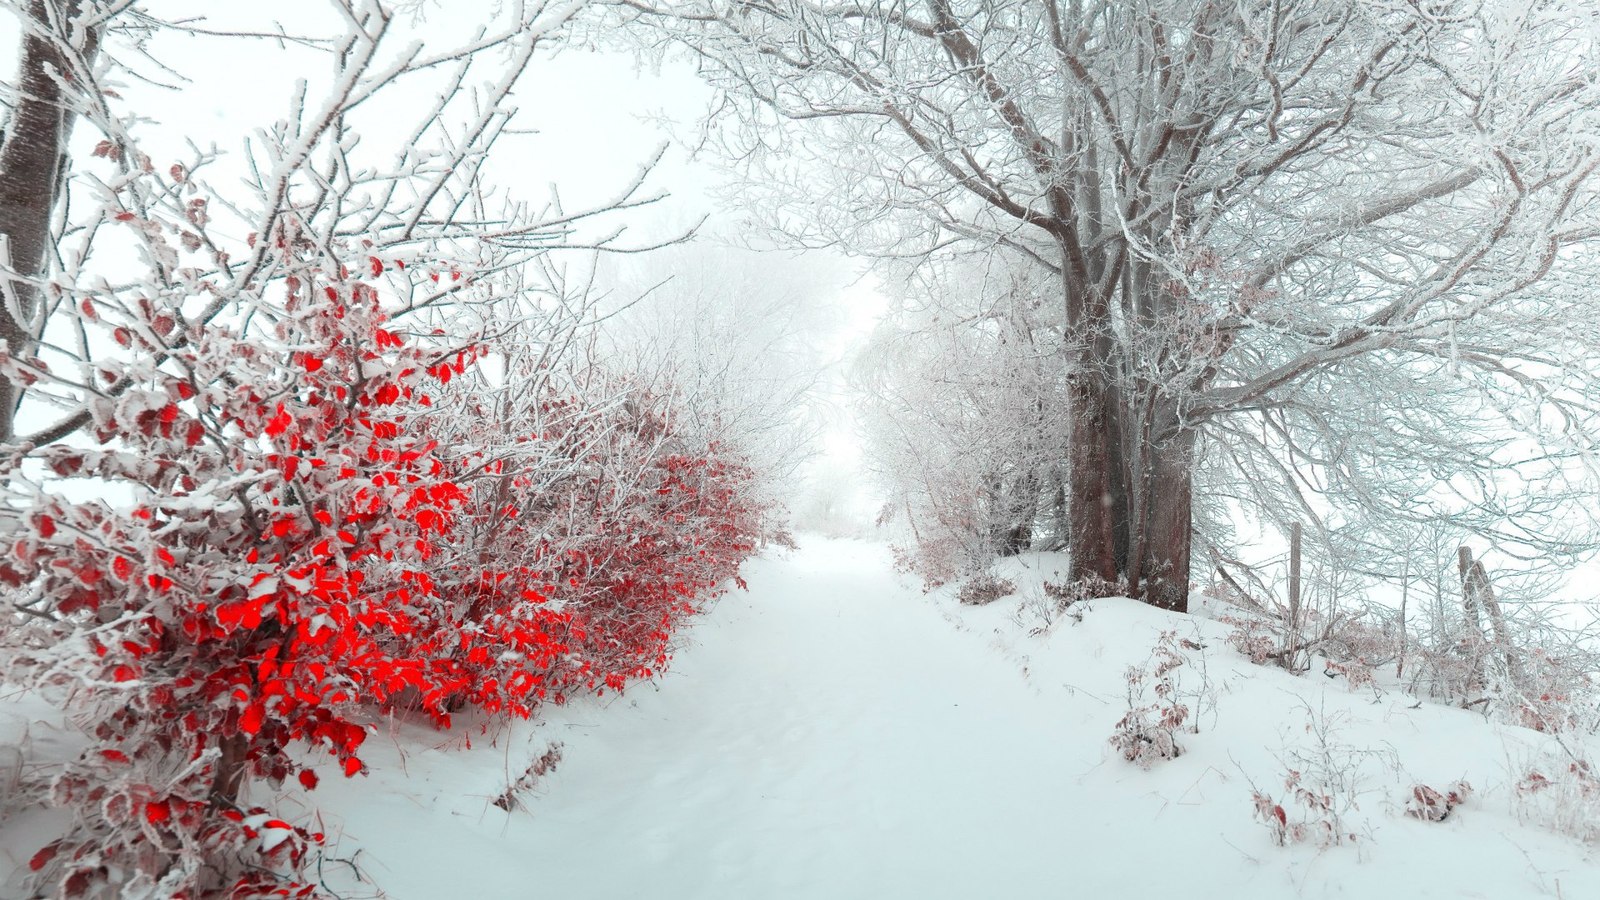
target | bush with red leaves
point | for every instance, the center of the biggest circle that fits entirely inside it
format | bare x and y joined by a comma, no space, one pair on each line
1148,731
1432,805
302,549
594,528
285,524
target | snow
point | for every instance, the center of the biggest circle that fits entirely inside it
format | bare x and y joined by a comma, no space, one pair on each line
834,732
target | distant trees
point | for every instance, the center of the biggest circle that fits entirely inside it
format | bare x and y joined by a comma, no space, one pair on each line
736,334
962,399
1332,254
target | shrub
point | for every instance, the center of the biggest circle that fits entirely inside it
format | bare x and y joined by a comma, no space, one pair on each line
304,548
1254,637
1321,784
1148,731
542,765
983,589
619,527
1562,794
248,602
1431,805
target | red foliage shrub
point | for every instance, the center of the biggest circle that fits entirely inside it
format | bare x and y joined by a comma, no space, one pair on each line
1256,638
619,527
1561,793
303,548
250,599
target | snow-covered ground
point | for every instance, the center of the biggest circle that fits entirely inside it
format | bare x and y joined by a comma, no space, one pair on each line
833,732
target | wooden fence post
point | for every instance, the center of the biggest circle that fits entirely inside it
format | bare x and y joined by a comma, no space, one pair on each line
1293,639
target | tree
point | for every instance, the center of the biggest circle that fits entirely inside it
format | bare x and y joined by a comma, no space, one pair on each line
1253,214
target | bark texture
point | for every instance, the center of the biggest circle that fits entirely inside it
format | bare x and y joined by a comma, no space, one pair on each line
32,159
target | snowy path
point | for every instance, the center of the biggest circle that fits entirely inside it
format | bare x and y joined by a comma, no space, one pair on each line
827,734
830,734
829,740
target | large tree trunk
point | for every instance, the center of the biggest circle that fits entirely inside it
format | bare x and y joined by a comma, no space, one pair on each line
31,160
1097,497
1130,471
1095,491
1163,567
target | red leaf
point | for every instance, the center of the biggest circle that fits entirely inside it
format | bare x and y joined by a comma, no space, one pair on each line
279,423
157,813
377,266
308,779
250,722
352,767
42,858
47,526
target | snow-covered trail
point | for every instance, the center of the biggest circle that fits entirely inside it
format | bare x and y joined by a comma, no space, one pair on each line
826,734
832,734
831,737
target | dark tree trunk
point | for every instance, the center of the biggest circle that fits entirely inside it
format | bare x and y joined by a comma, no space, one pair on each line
1163,567
1130,475
1094,490
31,160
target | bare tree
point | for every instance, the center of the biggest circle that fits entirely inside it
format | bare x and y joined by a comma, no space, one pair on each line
1251,211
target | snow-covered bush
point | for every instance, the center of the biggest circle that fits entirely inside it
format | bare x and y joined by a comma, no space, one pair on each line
1148,731
985,588
595,526
1560,793
1433,805
304,546
285,521
1321,783
542,765
1255,637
